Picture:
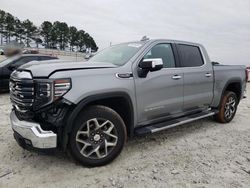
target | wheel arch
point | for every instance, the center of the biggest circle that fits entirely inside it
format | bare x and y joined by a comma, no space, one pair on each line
234,85
102,99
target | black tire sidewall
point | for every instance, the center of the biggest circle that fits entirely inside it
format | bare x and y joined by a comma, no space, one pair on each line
98,112
227,95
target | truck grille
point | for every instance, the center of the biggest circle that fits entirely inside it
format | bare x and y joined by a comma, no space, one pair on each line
21,91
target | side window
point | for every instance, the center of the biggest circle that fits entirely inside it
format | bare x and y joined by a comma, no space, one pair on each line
190,56
24,60
163,51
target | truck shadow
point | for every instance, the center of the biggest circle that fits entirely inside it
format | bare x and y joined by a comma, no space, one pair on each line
133,145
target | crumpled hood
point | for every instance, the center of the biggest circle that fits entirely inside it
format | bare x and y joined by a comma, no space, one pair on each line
46,68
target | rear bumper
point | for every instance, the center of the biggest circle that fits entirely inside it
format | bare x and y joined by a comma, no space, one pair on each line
31,135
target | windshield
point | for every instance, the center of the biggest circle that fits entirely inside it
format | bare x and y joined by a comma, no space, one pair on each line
8,60
118,54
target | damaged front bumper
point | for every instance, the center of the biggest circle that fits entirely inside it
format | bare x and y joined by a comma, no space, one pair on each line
31,135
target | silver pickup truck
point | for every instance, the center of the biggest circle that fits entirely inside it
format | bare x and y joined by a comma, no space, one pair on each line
135,88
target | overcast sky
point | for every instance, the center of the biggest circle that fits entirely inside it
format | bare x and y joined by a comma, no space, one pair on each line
222,26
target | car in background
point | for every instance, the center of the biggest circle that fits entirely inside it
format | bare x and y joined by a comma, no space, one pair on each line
7,66
31,51
1,51
248,73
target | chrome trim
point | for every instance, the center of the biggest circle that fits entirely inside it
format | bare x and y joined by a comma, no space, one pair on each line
176,77
208,74
20,110
21,74
130,75
32,131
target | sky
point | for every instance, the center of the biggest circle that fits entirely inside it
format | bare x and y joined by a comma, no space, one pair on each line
222,26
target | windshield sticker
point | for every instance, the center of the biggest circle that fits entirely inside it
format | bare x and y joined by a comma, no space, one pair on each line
135,45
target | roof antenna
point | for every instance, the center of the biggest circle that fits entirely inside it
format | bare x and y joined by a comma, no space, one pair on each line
144,38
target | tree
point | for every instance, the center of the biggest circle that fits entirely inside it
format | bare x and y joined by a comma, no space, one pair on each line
91,43
61,32
38,41
45,31
73,36
29,31
2,24
18,30
9,26
37,37
81,39
51,35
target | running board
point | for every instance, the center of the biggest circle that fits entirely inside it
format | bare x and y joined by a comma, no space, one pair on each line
172,123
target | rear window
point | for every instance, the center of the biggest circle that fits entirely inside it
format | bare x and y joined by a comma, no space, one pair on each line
190,56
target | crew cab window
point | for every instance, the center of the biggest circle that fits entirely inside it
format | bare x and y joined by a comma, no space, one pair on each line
190,56
163,51
24,60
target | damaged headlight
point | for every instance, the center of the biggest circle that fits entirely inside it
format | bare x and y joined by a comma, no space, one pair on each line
61,87
48,91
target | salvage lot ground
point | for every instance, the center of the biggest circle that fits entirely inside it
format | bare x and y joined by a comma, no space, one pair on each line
198,154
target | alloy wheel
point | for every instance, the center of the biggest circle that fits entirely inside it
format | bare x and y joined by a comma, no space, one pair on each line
230,107
96,138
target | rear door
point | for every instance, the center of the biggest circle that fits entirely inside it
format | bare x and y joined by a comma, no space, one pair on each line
160,94
198,77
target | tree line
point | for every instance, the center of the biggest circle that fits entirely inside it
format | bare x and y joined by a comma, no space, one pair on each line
51,35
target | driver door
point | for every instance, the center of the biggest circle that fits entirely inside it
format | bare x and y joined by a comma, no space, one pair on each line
160,94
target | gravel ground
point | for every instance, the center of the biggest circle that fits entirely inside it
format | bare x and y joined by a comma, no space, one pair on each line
198,154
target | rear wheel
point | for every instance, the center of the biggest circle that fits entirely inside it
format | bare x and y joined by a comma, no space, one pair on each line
98,136
227,108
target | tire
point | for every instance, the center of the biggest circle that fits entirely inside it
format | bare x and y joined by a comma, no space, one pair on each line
98,136
228,107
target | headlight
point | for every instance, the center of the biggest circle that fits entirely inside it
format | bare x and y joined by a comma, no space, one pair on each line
48,91
61,87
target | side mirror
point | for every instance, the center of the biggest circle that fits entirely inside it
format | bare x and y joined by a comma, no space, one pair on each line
151,65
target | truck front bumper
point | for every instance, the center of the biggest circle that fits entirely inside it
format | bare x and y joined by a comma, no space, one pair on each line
31,135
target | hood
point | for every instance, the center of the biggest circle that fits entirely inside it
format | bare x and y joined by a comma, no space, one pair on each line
46,68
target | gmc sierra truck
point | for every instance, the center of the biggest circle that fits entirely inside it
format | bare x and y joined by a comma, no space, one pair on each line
135,88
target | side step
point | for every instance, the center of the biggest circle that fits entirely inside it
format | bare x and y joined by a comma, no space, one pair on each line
172,123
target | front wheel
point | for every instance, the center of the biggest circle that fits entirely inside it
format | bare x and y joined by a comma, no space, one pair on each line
98,136
227,108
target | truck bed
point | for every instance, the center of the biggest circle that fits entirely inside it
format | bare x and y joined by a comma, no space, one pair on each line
224,74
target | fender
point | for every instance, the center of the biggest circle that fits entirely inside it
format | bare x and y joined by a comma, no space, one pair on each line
70,121
230,81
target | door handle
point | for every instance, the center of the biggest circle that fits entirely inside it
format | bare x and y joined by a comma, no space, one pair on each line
208,74
176,77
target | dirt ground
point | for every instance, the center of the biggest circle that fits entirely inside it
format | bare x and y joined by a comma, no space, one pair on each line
198,154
